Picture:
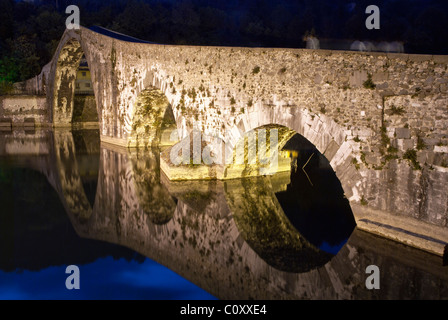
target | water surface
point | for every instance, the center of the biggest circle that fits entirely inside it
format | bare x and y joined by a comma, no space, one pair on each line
69,200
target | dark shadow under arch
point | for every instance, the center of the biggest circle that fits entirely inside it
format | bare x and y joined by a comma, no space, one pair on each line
314,200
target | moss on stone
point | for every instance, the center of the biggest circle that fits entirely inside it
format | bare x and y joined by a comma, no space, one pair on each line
397,110
420,143
256,70
364,202
411,156
368,84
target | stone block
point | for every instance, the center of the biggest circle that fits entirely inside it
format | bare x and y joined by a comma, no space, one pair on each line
442,149
421,157
382,86
380,76
241,126
331,150
323,142
358,78
403,133
430,142
362,133
405,144
373,159
439,159
430,156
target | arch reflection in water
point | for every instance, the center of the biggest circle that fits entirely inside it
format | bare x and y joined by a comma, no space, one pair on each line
293,223
263,224
154,198
76,166
87,151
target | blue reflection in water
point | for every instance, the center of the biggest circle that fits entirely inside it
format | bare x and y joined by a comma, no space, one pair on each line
333,249
38,242
105,278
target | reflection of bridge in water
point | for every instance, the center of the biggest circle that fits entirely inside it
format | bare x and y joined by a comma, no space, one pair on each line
203,230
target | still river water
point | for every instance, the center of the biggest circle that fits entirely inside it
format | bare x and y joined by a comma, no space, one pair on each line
67,200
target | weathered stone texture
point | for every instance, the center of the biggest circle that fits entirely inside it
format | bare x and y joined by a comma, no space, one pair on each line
24,110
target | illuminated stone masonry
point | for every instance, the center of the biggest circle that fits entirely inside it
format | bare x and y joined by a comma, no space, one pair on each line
380,119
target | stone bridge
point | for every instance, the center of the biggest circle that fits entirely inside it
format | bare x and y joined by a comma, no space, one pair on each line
380,119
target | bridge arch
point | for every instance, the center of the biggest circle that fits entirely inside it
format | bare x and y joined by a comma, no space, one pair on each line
153,120
325,224
323,132
64,72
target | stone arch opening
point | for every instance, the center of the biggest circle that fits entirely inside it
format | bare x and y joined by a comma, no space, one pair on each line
153,121
313,199
258,152
85,114
68,108
322,131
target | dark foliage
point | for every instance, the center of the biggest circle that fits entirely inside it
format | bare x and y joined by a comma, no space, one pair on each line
30,31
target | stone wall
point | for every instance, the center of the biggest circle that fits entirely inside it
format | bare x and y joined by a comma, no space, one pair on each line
23,110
